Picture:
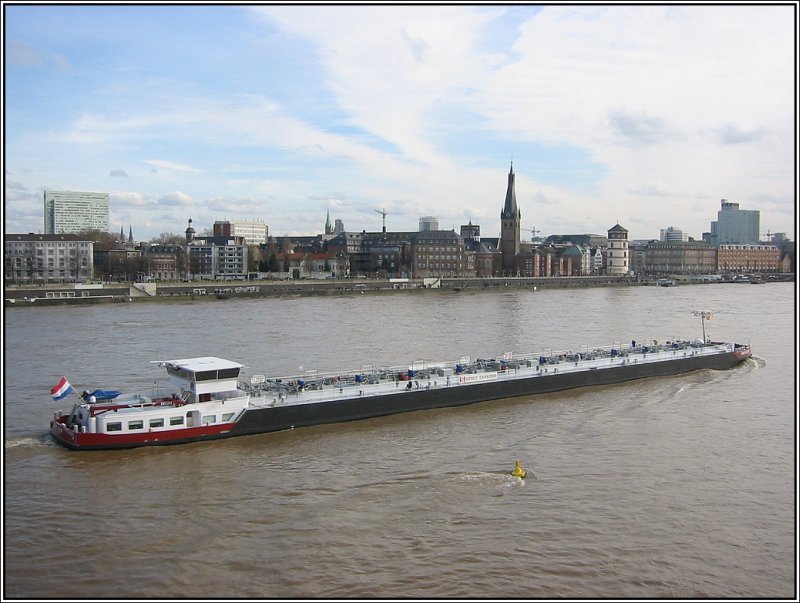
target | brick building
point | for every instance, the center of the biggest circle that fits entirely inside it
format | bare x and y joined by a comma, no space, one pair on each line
748,258
682,257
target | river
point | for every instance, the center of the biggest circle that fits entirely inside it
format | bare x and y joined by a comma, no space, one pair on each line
680,487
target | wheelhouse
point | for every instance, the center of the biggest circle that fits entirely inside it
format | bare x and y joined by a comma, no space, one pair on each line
198,379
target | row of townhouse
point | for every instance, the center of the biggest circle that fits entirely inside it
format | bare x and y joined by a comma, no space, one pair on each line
444,253
59,258
423,254
34,258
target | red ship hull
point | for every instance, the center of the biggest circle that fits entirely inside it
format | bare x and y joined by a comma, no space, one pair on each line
101,441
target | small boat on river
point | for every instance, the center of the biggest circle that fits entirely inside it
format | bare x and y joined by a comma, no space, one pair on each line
212,399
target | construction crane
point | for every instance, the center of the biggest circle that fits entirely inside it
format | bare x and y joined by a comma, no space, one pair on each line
533,232
383,214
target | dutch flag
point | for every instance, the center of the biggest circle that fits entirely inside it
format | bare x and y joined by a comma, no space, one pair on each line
62,390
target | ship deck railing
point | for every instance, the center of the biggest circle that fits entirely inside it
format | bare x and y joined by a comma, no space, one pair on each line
318,387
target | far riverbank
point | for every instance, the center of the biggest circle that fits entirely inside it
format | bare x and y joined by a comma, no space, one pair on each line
68,294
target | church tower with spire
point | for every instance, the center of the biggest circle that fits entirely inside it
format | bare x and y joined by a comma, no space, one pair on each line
328,227
510,219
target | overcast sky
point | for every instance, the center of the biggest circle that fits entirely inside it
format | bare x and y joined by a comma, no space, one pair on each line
642,115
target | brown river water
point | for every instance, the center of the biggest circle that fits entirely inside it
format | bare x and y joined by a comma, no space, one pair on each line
680,487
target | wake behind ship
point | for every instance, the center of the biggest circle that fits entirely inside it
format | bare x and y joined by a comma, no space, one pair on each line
212,400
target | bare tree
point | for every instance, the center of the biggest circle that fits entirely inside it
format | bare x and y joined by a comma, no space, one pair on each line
169,238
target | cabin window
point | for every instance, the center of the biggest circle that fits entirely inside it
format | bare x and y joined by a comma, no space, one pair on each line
136,424
157,422
227,416
176,420
115,426
180,372
229,373
209,419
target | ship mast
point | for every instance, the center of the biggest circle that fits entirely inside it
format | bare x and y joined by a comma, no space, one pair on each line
704,316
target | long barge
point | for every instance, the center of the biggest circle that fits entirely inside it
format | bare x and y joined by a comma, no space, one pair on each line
212,399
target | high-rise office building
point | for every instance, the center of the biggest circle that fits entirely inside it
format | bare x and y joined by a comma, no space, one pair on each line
673,234
734,225
428,223
254,233
71,212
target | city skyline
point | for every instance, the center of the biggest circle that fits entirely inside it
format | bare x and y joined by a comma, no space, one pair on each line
645,116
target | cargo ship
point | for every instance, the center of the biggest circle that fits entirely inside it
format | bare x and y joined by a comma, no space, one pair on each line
212,398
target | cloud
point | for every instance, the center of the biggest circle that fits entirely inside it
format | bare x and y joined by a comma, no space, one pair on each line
242,208
95,129
118,174
160,164
416,46
637,129
656,188
419,108
731,134
14,186
175,198
131,199
22,54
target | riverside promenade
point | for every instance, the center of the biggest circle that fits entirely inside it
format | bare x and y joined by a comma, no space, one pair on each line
67,293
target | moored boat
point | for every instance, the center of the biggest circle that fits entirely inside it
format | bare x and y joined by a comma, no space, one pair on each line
212,399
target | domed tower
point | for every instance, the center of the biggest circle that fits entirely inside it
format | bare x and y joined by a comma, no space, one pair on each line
189,233
618,260
510,226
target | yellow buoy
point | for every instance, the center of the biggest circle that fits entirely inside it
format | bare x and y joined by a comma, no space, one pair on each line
519,471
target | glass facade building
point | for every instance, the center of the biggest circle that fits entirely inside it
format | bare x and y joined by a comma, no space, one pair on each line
734,225
72,212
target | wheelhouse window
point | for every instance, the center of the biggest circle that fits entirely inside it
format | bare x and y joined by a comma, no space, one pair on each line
229,373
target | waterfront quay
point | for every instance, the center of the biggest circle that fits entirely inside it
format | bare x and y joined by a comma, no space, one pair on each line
68,293
216,290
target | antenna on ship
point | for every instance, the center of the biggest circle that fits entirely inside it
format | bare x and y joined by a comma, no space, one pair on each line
704,316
